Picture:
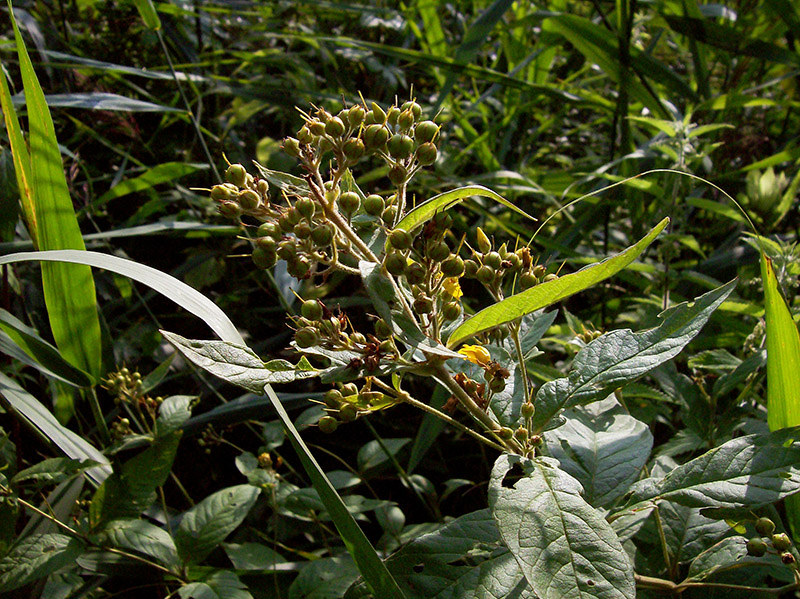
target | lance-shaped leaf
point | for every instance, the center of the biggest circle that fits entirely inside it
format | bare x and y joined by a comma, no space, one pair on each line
549,293
748,472
35,557
239,364
425,211
621,356
143,537
563,546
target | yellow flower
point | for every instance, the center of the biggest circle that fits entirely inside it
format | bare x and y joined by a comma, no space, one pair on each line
452,287
477,354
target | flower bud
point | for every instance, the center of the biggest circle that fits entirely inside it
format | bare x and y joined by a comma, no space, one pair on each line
425,132
306,337
349,202
400,239
311,309
426,154
374,205
236,175
484,245
400,146
378,115
328,424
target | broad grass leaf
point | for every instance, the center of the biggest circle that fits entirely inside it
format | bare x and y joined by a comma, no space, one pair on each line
147,10
161,173
142,537
603,447
372,568
36,557
101,101
564,547
549,293
622,356
207,524
179,292
73,445
239,364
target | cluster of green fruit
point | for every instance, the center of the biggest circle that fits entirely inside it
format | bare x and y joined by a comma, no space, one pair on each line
348,402
781,543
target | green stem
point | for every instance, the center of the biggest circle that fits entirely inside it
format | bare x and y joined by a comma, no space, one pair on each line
521,358
99,419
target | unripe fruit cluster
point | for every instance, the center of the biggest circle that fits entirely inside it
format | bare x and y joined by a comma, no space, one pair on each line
347,403
781,543
241,194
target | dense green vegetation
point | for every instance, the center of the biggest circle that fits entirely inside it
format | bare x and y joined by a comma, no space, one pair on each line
383,212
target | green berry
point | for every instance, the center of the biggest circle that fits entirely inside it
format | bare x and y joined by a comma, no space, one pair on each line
349,202
400,239
425,132
400,146
453,267
264,258
311,309
322,235
236,175
781,541
374,205
328,424
765,527
426,154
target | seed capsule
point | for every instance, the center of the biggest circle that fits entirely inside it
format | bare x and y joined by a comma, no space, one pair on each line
787,558
765,527
423,305
249,199
334,127
416,109
269,229
781,541
348,412
353,149
322,235
497,384
388,215
374,205
451,310
349,202
406,120
400,239
539,271
527,410
229,209
349,389
306,337
291,146
395,263
223,192
527,280
485,275
470,269
378,115
311,309
550,277
236,175
306,207
415,273
356,115
375,137
426,154
267,243
382,329
493,259
302,230
400,146
439,251
328,424
425,132
453,267
392,115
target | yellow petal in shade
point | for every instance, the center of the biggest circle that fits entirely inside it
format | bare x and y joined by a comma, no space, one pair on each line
477,354
452,287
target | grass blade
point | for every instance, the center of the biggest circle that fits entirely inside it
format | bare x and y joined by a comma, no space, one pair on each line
369,563
549,293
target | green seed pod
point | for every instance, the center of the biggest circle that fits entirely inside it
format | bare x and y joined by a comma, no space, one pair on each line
249,199
423,305
322,235
292,215
485,274
527,410
287,250
415,273
416,109
515,262
493,259
388,215
505,433
264,258
349,203
357,338
398,175
375,137
306,337
382,329
299,268
781,541
439,251
344,116
267,243
291,146
348,412
453,267
405,120
374,205
521,435
306,207
349,389
285,225
317,128
425,132
328,424
539,271
378,115
392,115
334,127
304,135
236,175
470,269
395,263
400,239
353,149
332,398
269,229
356,115
302,230
229,209
311,309
497,384
527,280
426,154
387,346
451,310
550,277
400,146
484,245
224,192
765,527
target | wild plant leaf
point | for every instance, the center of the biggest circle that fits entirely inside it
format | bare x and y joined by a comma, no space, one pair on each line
463,558
73,445
161,173
220,584
324,578
622,356
35,557
173,413
207,524
41,352
52,471
253,556
147,11
747,472
167,285
549,293
100,101
727,554
239,365
422,213
132,488
379,288
11,349
564,547
687,532
68,289
374,571
142,537
603,447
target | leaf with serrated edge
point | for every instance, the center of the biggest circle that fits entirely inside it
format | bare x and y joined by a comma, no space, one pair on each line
549,293
564,547
239,364
621,356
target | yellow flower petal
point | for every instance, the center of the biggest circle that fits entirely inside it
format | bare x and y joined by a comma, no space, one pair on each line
452,287
477,354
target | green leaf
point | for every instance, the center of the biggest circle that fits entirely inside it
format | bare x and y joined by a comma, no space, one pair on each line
253,556
179,292
68,290
603,447
147,11
173,414
621,356
36,557
101,101
207,524
747,472
564,547
372,455
73,445
326,578
451,563
425,211
369,563
549,293
52,470
161,173
221,584
142,537
239,364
